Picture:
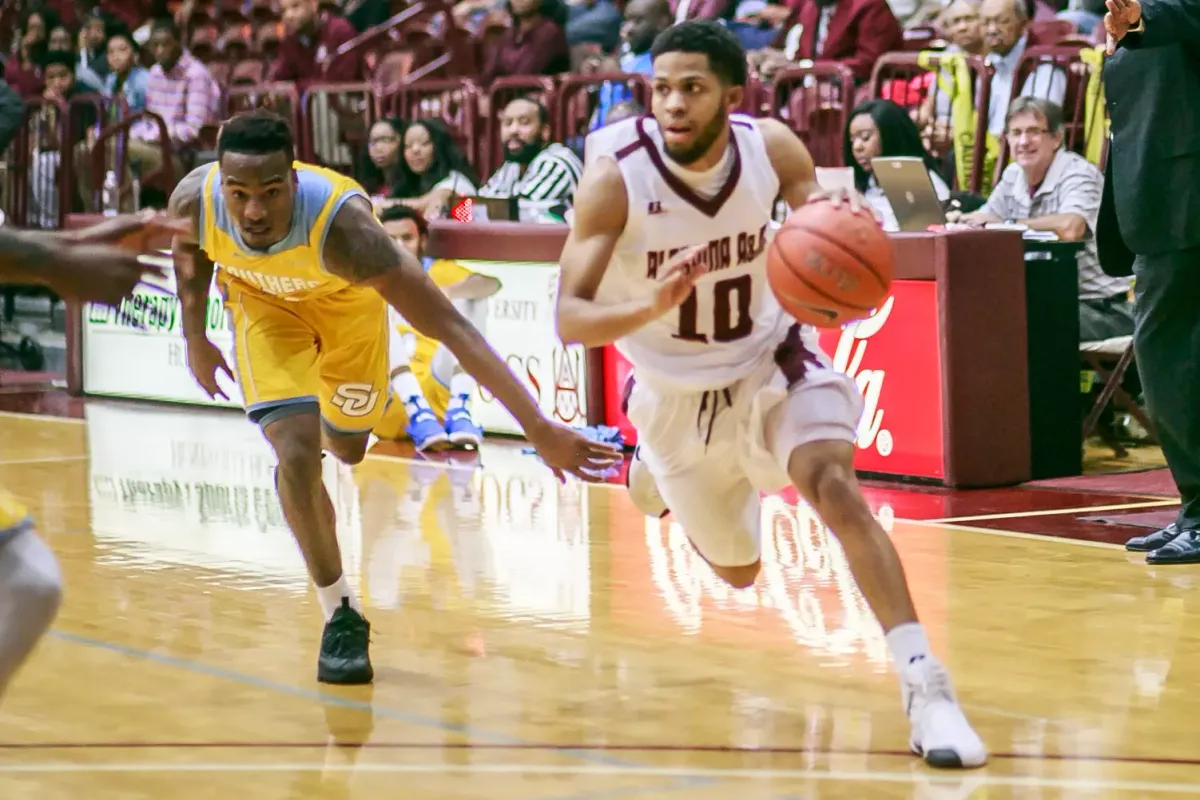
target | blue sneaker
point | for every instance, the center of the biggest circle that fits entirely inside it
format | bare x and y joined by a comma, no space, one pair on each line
425,430
461,430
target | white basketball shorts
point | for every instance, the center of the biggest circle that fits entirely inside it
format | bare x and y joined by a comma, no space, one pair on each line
712,453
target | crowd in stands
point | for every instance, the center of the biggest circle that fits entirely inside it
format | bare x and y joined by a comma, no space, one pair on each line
429,102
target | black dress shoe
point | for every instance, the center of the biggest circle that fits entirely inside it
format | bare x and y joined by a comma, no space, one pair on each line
1152,541
1183,549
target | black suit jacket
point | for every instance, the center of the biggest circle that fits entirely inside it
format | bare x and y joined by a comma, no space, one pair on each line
1152,85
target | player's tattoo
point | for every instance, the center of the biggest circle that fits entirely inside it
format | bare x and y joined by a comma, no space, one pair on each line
357,248
193,267
186,200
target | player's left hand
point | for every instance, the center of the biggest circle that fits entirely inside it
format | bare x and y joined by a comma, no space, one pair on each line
136,232
565,449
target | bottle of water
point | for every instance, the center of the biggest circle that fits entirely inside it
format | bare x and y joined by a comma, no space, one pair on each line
135,188
112,195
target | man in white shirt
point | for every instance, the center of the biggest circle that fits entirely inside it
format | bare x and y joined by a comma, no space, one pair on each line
1049,188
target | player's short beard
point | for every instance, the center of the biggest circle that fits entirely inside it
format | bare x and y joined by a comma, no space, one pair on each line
704,141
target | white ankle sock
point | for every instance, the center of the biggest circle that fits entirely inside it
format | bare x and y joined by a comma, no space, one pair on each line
408,389
331,597
462,386
908,643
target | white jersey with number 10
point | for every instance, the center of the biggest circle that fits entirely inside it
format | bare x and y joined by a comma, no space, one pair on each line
731,322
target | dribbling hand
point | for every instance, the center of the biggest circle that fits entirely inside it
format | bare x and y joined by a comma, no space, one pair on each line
837,197
679,276
205,361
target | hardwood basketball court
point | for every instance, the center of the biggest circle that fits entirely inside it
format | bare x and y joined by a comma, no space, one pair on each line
546,642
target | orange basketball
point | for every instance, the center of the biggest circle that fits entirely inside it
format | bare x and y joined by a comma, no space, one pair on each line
829,265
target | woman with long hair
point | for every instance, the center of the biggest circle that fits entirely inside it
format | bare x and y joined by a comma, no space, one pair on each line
23,69
380,166
432,167
880,128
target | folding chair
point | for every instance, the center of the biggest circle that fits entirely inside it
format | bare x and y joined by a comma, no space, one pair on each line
1110,359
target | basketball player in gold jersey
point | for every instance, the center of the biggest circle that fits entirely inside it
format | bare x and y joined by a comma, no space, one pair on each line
82,265
307,273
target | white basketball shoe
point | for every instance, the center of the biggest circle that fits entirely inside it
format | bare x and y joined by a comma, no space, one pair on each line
940,731
642,488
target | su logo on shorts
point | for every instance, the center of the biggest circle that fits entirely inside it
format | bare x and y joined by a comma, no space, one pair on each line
355,399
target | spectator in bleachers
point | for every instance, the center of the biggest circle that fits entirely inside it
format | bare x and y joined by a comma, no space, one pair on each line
959,23
93,42
126,77
50,136
644,20
880,128
312,37
431,169
1084,14
180,90
377,173
853,32
536,44
1050,188
593,21
1006,36
63,40
23,70
535,168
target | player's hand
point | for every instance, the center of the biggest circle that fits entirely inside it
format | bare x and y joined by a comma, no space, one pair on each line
567,450
205,361
1122,15
132,231
97,273
679,276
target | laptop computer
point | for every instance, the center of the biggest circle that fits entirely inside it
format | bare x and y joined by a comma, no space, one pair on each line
909,189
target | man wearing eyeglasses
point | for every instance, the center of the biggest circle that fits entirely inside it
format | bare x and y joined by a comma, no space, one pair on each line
1048,188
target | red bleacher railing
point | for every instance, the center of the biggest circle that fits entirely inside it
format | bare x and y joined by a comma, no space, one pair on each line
579,97
814,102
336,137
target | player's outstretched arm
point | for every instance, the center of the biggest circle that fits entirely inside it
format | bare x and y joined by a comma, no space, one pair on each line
193,267
601,210
358,249
98,264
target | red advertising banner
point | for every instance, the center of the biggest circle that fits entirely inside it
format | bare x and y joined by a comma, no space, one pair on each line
894,358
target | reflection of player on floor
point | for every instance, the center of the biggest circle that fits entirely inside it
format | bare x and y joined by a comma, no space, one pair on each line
80,265
306,270
431,391
667,258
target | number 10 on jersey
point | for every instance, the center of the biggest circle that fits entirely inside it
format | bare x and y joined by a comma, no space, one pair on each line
731,319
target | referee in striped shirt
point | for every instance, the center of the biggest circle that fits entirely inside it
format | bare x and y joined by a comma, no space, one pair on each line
535,168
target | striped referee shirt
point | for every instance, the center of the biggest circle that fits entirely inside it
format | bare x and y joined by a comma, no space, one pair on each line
552,175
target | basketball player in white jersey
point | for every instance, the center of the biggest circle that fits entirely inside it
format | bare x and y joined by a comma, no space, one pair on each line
667,258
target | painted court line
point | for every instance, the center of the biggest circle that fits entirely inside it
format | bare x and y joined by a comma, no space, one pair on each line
1037,537
748,774
1056,511
320,697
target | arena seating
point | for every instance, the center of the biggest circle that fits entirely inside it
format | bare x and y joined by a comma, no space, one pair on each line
421,63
